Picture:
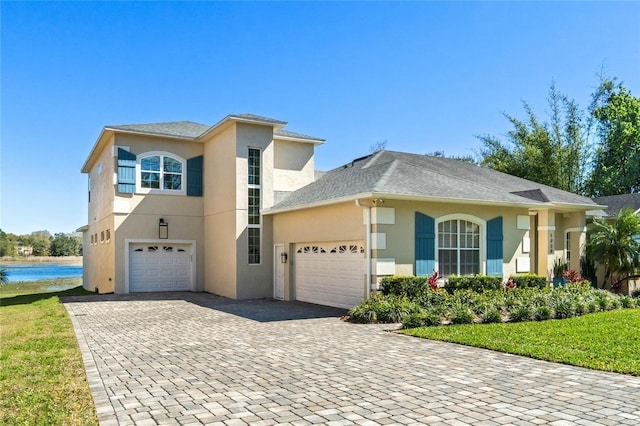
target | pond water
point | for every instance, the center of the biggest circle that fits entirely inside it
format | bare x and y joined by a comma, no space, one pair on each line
41,272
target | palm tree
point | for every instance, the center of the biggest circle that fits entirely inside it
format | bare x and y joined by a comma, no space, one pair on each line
613,245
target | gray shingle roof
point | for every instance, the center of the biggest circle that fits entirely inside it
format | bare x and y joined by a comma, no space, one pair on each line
289,134
413,175
261,118
615,203
183,129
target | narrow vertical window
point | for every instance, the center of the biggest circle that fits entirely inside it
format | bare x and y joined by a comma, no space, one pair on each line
253,206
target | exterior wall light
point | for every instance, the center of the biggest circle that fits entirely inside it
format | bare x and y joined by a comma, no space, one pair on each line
163,230
283,257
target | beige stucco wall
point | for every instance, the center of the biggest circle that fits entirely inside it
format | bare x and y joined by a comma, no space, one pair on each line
253,281
293,165
339,222
220,213
400,237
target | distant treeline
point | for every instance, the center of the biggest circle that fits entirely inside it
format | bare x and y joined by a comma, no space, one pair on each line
40,243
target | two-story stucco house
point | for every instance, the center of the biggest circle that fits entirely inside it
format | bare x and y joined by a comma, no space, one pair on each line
237,209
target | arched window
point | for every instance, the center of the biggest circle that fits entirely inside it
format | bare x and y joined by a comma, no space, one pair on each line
161,172
459,247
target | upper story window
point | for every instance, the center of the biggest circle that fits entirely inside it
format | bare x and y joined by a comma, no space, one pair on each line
253,206
161,172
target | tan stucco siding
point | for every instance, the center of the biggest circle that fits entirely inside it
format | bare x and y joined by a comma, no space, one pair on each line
253,280
339,222
220,253
293,165
102,184
98,258
219,172
144,225
139,144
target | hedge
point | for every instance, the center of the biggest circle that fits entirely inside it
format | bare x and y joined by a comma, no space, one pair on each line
401,285
472,282
530,281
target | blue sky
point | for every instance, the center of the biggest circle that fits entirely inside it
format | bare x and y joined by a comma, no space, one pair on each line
424,77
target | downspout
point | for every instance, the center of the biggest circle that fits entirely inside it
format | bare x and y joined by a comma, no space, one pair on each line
367,210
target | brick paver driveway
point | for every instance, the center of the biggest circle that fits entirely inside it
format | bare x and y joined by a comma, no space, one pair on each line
192,358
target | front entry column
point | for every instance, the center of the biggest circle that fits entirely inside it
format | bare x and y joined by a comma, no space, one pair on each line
546,242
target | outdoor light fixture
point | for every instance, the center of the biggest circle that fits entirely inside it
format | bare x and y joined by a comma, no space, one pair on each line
283,257
163,230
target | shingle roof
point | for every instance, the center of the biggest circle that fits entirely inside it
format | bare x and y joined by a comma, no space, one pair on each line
289,134
183,129
412,175
261,118
615,203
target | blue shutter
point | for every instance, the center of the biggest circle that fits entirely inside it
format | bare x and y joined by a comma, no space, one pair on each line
425,244
194,176
494,247
126,171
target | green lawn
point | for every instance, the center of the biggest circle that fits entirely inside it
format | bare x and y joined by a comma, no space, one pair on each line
607,341
42,377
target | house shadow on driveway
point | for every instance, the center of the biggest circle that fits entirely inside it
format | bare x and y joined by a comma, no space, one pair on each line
260,310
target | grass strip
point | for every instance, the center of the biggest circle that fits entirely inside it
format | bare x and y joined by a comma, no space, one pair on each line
42,379
607,341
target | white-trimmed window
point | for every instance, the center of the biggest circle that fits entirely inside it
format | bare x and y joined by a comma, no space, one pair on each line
108,236
163,172
459,247
254,226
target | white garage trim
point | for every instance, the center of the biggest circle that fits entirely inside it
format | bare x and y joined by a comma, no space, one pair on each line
331,274
129,242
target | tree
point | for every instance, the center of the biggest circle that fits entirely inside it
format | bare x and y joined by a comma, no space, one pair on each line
7,247
615,247
378,146
40,241
64,245
551,153
616,168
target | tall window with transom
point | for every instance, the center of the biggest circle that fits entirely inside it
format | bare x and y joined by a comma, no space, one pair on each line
458,247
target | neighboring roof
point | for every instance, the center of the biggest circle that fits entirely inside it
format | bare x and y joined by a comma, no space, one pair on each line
183,129
394,174
615,203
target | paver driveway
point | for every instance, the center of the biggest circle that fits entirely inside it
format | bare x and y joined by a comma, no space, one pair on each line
192,358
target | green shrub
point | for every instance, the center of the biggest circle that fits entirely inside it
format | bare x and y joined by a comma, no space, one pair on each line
422,319
627,302
477,283
404,285
564,307
491,315
636,294
542,313
521,313
530,281
383,309
460,314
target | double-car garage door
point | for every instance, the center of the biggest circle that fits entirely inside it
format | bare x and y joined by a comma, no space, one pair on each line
330,274
159,267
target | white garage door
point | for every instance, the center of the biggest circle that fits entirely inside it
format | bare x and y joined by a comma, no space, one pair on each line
159,267
330,274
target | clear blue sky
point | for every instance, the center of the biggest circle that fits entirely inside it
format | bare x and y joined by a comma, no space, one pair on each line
422,76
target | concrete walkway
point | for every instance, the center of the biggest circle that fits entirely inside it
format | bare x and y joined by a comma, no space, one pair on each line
194,358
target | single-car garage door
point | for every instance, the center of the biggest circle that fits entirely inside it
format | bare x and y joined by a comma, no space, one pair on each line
159,267
330,274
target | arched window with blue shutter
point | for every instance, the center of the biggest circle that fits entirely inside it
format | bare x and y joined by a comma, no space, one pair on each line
494,247
425,244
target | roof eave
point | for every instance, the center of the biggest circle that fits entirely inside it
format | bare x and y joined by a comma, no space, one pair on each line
236,119
303,140
86,167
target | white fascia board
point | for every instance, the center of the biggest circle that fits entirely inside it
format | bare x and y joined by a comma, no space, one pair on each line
317,204
303,140
86,167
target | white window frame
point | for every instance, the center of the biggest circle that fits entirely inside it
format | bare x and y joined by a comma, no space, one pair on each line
567,248
483,237
162,154
259,225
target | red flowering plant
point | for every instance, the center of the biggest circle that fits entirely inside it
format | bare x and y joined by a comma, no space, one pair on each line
433,280
509,284
572,276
